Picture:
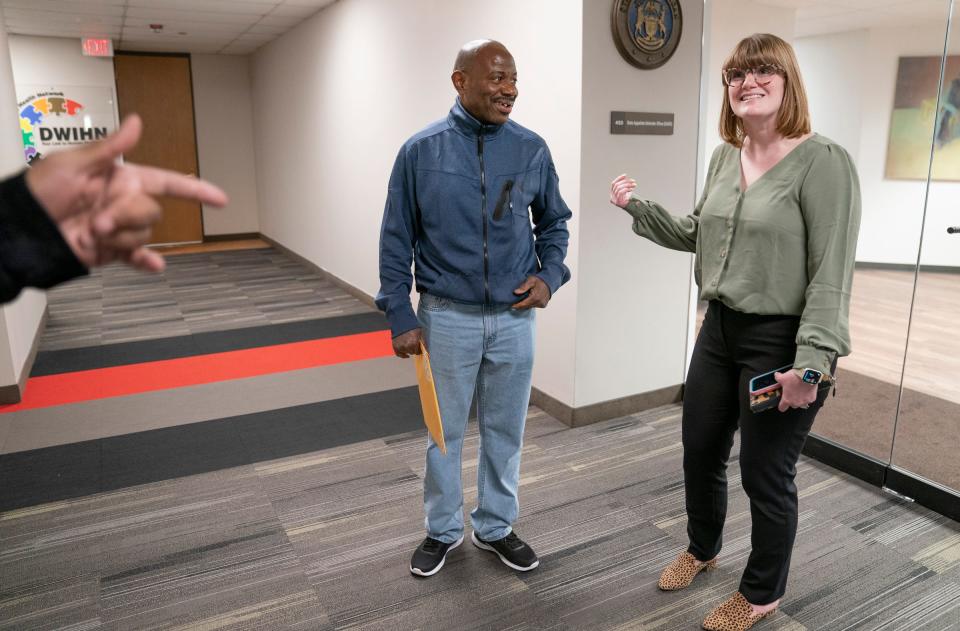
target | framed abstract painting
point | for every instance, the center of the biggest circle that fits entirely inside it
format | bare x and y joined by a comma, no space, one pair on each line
916,120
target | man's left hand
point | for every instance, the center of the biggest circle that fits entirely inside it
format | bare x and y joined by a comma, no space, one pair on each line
538,296
796,392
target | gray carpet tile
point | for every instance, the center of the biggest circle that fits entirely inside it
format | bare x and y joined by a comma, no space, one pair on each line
5,423
323,541
198,552
346,511
211,291
227,578
70,603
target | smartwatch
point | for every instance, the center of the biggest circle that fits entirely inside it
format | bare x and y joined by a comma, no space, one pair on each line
811,376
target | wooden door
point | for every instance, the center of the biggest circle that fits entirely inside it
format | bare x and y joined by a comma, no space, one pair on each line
159,89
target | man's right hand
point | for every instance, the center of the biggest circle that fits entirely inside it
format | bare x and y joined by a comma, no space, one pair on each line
407,344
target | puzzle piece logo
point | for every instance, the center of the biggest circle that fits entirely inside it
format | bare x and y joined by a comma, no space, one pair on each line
56,105
39,124
31,114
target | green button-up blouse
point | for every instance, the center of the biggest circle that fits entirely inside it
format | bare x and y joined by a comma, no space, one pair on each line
784,246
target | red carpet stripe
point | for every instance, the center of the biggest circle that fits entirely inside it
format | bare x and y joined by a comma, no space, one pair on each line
118,381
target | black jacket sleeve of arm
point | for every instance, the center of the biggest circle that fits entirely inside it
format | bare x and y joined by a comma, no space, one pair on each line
33,253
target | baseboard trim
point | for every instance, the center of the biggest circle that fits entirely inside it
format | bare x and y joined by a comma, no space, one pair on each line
924,492
13,393
359,294
239,236
877,473
605,410
10,394
908,267
850,461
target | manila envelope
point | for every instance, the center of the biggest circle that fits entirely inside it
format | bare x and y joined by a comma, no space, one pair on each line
428,398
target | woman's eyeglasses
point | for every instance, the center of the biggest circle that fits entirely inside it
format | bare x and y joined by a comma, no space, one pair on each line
762,74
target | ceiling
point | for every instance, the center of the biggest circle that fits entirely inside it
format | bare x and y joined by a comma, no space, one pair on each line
236,27
239,27
816,17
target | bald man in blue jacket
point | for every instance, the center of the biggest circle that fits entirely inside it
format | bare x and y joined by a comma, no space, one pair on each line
474,202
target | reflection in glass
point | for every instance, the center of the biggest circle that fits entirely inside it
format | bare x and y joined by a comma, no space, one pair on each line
927,440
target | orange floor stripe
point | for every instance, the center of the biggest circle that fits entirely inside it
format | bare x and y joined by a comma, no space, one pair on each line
118,381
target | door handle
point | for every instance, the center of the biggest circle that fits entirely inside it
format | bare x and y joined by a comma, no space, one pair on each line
953,229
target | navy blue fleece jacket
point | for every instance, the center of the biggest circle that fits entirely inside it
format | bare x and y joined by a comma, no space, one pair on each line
477,208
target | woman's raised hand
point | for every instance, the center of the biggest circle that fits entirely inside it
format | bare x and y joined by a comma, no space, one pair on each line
620,190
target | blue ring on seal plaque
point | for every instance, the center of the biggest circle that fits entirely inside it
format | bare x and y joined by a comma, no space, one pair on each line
647,32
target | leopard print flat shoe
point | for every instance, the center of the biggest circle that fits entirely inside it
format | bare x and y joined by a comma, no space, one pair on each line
681,572
733,615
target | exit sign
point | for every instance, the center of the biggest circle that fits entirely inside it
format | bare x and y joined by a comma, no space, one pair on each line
97,47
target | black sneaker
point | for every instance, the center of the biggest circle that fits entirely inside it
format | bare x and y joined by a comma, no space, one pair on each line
511,550
429,556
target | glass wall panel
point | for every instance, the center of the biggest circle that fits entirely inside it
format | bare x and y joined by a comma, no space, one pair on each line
872,78
927,437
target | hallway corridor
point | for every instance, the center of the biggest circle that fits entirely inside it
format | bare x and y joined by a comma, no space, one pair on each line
231,445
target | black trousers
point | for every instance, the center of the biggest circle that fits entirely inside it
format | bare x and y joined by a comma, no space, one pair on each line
732,348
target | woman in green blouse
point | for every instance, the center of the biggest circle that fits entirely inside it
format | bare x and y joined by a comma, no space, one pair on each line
774,234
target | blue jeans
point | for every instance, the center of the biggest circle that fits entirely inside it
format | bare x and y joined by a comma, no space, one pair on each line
487,350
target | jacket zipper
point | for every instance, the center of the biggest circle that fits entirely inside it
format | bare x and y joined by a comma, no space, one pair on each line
483,213
502,202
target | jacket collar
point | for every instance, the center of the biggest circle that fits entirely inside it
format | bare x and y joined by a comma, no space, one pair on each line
464,122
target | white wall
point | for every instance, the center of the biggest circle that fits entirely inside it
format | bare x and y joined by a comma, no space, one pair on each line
224,122
633,295
222,105
820,60
20,319
857,107
56,61
731,21
8,374
336,97
35,61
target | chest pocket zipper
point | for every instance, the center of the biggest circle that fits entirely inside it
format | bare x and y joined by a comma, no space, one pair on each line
502,201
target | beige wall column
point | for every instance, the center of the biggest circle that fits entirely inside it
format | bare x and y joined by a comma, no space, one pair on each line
20,320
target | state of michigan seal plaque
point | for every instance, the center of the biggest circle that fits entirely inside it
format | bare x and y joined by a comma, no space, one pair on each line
647,32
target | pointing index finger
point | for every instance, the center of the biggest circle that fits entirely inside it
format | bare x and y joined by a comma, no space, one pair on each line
162,182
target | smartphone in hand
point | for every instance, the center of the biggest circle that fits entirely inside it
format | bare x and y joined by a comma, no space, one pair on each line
765,391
